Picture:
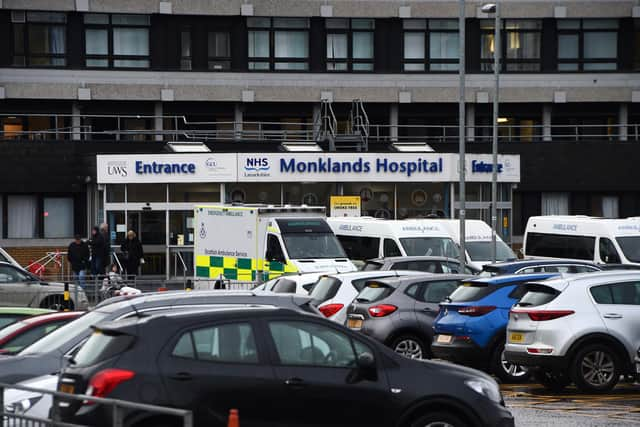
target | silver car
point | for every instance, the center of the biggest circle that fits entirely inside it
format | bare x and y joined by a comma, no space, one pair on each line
20,288
582,329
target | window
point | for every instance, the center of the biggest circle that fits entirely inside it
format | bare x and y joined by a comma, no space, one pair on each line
278,43
17,343
360,248
350,44
391,248
119,41
230,343
325,288
432,292
21,216
587,44
608,252
274,249
433,246
39,38
630,246
426,266
58,217
9,274
520,45
302,343
560,246
617,293
430,44
219,51
185,49
636,44
555,204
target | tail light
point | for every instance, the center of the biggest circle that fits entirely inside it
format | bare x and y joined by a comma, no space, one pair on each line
476,310
382,310
103,383
543,315
330,309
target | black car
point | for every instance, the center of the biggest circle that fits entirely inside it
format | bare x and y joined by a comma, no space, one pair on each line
399,312
278,367
46,356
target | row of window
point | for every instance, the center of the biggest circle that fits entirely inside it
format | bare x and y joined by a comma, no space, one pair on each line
123,41
23,212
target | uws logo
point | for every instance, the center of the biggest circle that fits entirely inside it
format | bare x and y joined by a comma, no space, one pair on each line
257,164
117,169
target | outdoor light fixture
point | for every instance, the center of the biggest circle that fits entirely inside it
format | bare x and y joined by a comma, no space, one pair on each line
412,147
187,147
301,147
489,8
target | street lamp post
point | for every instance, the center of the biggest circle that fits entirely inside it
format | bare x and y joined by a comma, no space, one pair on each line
462,131
497,50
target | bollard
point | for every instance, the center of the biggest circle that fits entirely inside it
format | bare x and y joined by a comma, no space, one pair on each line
66,296
234,418
189,285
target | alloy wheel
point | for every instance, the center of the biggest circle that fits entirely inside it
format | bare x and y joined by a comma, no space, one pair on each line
411,350
439,424
516,371
597,368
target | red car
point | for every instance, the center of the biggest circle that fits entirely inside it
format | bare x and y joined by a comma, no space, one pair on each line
23,333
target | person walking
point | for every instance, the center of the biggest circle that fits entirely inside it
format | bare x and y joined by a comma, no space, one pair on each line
133,253
78,257
106,258
97,245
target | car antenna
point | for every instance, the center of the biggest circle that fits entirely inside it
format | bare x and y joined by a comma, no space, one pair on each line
133,306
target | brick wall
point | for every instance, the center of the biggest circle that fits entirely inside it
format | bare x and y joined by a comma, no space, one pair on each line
26,255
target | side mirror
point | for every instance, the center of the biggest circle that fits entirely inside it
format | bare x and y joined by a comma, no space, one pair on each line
366,361
365,369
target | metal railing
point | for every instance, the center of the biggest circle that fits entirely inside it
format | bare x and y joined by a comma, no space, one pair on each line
119,409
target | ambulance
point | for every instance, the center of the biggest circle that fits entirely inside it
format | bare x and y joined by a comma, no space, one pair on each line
601,240
256,243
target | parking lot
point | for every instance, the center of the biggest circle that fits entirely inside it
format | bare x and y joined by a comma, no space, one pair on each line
532,405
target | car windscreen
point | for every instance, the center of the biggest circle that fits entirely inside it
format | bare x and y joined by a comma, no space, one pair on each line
430,246
372,266
374,291
101,346
470,291
313,245
630,246
325,288
7,319
481,251
537,294
61,336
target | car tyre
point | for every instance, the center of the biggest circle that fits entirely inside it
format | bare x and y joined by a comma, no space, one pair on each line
56,302
552,381
595,369
410,346
439,419
509,373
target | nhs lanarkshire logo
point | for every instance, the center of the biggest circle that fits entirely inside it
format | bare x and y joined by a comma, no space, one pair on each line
257,167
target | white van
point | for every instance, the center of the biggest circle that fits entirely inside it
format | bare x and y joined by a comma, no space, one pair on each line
603,241
366,238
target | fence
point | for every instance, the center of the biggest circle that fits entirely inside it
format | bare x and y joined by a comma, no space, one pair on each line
120,409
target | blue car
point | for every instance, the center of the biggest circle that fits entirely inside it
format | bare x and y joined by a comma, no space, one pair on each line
525,266
471,325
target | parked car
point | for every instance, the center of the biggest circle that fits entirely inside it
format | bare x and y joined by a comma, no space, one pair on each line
471,325
23,333
5,257
526,266
399,312
333,293
207,360
46,355
18,287
29,403
427,264
581,329
300,284
9,315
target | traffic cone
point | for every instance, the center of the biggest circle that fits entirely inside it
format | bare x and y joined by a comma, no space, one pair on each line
234,419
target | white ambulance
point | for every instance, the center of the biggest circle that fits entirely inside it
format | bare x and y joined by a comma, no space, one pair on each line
603,241
258,243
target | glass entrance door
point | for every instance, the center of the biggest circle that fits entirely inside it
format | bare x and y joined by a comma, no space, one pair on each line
151,228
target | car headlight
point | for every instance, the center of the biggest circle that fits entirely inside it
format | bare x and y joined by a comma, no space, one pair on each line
22,406
486,388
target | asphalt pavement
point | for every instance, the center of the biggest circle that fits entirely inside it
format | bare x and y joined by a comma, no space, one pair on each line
533,406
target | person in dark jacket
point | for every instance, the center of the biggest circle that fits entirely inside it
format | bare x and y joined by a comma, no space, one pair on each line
78,257
132,253
97,245
106,259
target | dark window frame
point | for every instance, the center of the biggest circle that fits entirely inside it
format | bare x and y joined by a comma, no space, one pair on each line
427,61
581,60
272,60
486,64
350,60
24,24
185,30
111,57
212,60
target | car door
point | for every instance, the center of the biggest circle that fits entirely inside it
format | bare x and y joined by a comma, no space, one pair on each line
16,287
428,297
213,368
320,383
619,307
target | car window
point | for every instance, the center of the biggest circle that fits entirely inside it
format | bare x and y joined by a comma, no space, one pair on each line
32,335
228,343
372,266
582,269
359,284
390,248
274,249
374,291
436,292
518,292
302,343
360,248
102,346
9,274
537,294
602,294
8,319
617,293
608,252
471,292
326,288
426,266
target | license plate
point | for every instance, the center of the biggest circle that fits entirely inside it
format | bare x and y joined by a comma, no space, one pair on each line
444,339
516,337
67,388
354,323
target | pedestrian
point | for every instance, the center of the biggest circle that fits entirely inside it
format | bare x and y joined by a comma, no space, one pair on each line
132,252
78,256
106,259
97,245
